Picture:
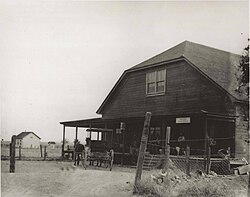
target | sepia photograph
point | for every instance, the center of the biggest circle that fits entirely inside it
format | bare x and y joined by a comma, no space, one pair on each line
124,98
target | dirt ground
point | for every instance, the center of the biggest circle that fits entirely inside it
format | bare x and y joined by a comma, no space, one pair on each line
53,178
56,178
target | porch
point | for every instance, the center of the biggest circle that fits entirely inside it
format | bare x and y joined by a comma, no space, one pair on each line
202,131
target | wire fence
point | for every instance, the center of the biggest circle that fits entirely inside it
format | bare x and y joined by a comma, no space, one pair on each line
41,153
202,160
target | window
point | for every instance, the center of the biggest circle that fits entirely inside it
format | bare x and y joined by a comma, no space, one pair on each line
155,82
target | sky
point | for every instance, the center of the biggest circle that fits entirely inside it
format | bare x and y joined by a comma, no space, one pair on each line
60,59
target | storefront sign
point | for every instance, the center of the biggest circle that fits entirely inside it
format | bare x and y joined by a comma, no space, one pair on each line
183,120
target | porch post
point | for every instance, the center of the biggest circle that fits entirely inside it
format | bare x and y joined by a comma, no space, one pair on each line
106,134
76,132
163,133
90,132
112,133
63,141
122,127
123,145
205,142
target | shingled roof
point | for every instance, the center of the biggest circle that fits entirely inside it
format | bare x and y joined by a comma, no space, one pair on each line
219,66
23,134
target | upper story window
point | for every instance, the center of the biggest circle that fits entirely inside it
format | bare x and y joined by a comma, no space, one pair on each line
156,82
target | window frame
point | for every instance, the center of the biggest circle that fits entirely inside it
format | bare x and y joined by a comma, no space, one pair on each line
156,80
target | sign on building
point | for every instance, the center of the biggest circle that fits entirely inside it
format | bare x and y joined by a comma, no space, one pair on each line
183,120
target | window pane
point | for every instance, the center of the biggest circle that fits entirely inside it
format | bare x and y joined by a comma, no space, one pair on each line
151,77
160,86
151,88
161,75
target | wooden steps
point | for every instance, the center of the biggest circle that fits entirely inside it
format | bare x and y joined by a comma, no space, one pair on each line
152,161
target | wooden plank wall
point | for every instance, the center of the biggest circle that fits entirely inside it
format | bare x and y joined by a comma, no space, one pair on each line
187,91
241,129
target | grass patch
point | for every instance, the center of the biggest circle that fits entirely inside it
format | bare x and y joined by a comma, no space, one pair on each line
178,185
204,187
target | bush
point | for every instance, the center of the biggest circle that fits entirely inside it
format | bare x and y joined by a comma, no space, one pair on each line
150,189
204,187
180,186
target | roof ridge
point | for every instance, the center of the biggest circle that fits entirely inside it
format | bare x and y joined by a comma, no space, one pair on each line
25,133
186,44
203,45
185,47
161,53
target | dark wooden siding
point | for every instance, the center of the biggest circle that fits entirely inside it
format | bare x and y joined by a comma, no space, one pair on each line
241,131
187,91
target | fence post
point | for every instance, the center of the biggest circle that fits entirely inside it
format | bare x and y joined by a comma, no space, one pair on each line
45,153
187,160
12,154
208,159
167,151
143,145
20,152
41,150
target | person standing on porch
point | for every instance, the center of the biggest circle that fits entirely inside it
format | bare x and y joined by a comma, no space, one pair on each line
181,145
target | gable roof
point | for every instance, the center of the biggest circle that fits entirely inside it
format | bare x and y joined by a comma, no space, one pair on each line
218,66
24,134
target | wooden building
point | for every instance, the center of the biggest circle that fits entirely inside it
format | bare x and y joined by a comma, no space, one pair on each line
28,140
190,88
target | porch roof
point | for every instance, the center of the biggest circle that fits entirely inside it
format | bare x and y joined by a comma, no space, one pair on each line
86,123
100,122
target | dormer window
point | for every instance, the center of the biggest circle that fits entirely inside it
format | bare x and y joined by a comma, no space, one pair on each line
156,82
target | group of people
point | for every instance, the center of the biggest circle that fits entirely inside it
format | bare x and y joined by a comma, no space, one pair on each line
155,147
82,151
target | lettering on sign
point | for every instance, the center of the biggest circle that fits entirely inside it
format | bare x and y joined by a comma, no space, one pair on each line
183,120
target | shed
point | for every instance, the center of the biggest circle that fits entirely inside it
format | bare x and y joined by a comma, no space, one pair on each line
28,140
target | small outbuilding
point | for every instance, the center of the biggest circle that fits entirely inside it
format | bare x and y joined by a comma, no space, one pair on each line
52,144
28,140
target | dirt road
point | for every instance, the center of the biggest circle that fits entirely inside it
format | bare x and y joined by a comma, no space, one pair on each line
51,178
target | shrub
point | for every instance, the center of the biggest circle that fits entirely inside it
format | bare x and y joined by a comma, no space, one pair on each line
204,187
150,189
180,186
